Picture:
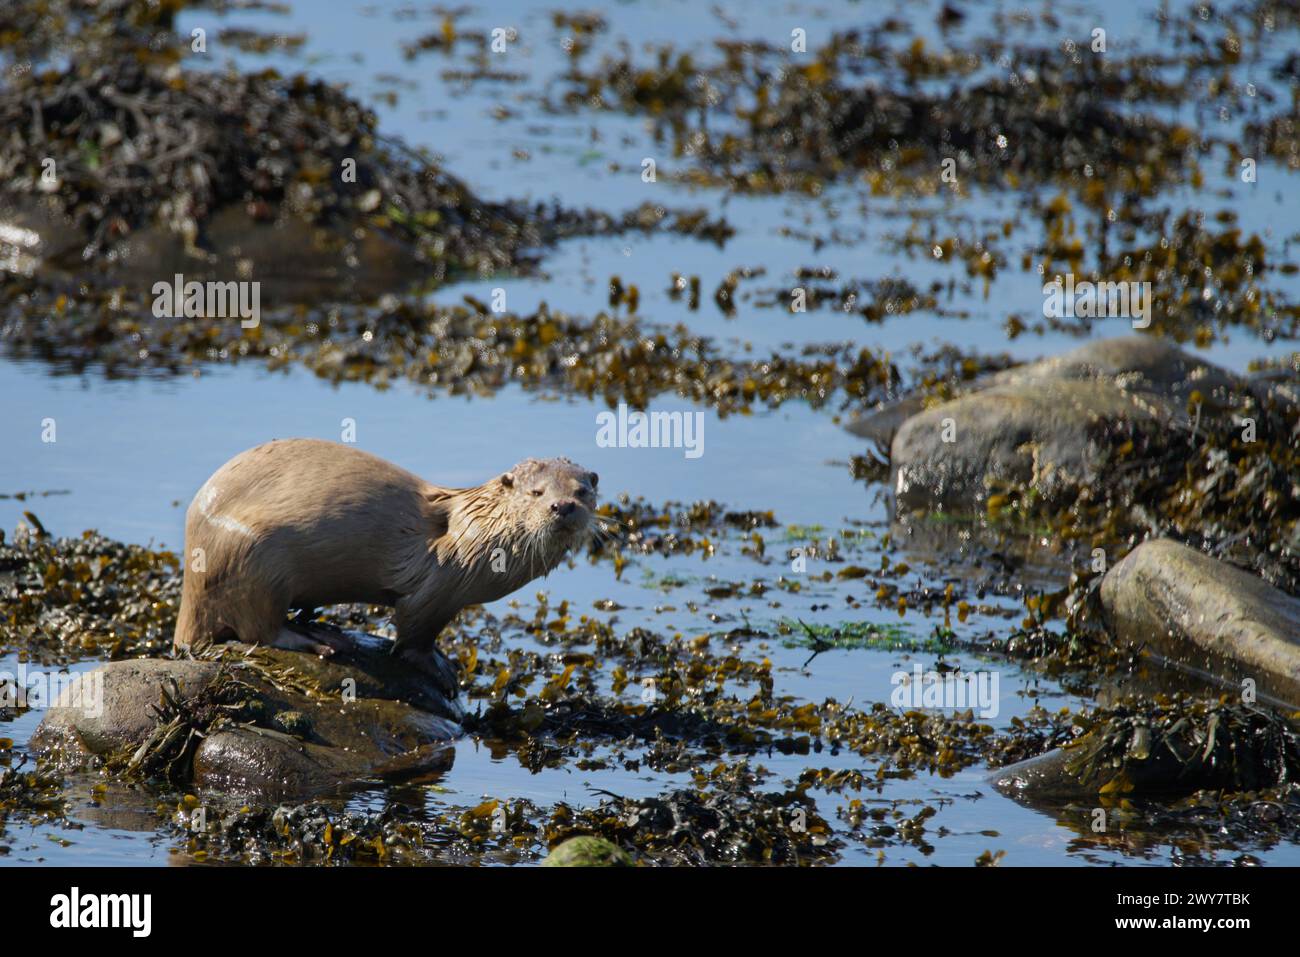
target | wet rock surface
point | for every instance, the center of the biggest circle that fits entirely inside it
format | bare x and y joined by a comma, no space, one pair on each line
1207,615
264,722
1048,436
1049,427
1169,746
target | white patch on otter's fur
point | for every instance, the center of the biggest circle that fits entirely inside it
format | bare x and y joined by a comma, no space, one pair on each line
207,495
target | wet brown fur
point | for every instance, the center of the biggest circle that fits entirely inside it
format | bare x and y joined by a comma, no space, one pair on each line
301,523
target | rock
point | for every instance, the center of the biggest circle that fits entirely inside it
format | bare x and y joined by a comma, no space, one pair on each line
882,425
587,851
370,670
273,765
1205,615
1136,364
1164,746
1049,426
33,230
109,708
1049,436
1050,778
317,724
292,259
1045,779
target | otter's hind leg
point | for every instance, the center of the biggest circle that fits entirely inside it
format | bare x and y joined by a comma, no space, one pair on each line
299,634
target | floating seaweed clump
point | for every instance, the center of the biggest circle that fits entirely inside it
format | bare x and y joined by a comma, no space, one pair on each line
1037,732
1047,118
86,596
1279,137
1204,829
461,349
44,29
1203,280
29,796
312,833
862,634
722,821
675,528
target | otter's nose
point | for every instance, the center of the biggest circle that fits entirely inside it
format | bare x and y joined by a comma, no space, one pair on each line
564,509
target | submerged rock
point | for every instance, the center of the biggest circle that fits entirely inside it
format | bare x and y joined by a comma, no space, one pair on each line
1206,615
587,851
1053,777
1170,746
263,721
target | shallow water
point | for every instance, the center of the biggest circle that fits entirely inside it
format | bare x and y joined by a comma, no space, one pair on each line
130,454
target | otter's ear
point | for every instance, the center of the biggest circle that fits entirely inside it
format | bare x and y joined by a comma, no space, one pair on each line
508,480
593,479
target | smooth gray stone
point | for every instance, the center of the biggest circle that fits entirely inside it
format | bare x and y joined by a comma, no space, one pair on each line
1205,615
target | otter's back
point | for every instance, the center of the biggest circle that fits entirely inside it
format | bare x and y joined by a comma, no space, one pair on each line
336,510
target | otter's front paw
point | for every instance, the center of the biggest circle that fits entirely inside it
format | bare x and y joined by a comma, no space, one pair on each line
435,666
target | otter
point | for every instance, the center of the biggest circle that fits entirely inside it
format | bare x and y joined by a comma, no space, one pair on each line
301,523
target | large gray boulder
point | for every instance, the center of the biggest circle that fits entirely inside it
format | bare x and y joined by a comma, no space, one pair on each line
1050,426
107,709
1047,435
1206,615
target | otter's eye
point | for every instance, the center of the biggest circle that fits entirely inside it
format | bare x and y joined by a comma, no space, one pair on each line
537,493
593,479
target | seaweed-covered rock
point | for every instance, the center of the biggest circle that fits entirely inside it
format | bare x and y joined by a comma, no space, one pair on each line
1048,436
108,709
1207,615
1169,746
261,721
143,171
1052,426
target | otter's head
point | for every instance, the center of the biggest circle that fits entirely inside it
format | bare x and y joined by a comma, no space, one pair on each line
553,502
